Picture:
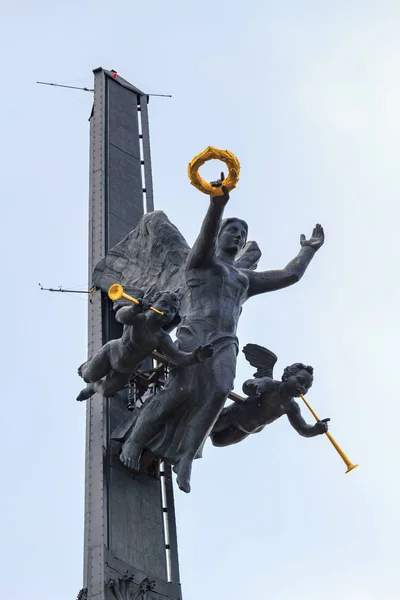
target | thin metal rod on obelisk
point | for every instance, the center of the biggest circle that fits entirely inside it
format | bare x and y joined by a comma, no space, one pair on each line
85,89
71,87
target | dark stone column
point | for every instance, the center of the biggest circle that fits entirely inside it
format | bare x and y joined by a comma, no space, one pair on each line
129,522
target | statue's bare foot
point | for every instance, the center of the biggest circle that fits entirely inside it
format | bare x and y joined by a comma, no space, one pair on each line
183,484
130,456
85,394
183,471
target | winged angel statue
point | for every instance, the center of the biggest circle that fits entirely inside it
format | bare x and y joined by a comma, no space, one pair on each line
215,278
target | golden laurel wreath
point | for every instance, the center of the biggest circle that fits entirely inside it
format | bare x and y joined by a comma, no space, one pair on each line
214,153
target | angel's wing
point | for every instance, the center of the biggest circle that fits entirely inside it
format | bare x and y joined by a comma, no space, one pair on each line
152,258
260,357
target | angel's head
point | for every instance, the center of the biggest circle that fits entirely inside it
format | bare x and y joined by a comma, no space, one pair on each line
298,379
169,303
232,235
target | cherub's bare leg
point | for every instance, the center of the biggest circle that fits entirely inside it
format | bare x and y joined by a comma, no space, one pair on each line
227,437
228,417
86,393
106,387
112,383
97,367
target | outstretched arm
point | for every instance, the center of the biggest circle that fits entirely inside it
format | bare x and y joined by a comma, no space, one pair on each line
127,315
268,281
184,359
300,425
257,386
203,251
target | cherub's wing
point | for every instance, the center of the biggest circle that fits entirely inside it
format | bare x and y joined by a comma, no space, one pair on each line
260,357
152,258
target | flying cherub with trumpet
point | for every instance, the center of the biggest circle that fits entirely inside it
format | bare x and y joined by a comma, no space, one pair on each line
267,400
146,326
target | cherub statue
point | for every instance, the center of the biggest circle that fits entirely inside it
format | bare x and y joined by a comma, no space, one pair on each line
267,400
110,369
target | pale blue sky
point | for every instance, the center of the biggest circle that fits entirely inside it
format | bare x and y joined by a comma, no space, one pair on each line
307,95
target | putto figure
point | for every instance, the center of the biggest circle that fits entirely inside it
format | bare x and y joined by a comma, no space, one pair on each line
112,366
267,400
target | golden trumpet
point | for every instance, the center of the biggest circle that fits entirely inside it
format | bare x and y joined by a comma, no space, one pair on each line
332,440
116,291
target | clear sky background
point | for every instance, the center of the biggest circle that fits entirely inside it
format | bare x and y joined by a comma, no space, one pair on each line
307,94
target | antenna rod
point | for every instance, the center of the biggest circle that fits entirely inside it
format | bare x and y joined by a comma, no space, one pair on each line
85,89
161,95
70,87
60,289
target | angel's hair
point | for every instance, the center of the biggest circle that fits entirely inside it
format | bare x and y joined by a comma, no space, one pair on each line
294,369
230,220
175,297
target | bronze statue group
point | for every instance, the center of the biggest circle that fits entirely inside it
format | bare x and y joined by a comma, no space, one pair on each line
212,281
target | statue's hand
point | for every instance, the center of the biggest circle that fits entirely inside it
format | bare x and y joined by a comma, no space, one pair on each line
204,352
144,305
321,426
253,389
225,197
316,240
